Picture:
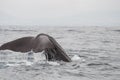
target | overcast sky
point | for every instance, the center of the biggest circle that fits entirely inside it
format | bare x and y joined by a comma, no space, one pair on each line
60,12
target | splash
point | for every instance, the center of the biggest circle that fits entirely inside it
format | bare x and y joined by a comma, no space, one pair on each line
11,58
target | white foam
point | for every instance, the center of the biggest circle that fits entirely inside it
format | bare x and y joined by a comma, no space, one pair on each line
11,58
39,56
53,63
77,58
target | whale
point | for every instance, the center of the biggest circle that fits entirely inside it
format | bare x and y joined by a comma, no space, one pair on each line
42,42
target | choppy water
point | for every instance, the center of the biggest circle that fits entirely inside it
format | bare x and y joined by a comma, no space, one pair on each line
97,50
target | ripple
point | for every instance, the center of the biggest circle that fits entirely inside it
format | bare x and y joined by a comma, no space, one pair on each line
98,64
71,30
116,30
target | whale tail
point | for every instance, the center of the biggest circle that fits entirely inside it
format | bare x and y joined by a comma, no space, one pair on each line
53,51
56,53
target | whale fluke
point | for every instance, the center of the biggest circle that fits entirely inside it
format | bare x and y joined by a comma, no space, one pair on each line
53,51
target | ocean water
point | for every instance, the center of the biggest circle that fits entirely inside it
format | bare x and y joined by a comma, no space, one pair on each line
95,52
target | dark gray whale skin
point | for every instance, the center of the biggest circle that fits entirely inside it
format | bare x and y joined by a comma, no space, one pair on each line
53,50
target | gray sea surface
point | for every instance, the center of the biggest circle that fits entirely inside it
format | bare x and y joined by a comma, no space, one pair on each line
95,52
